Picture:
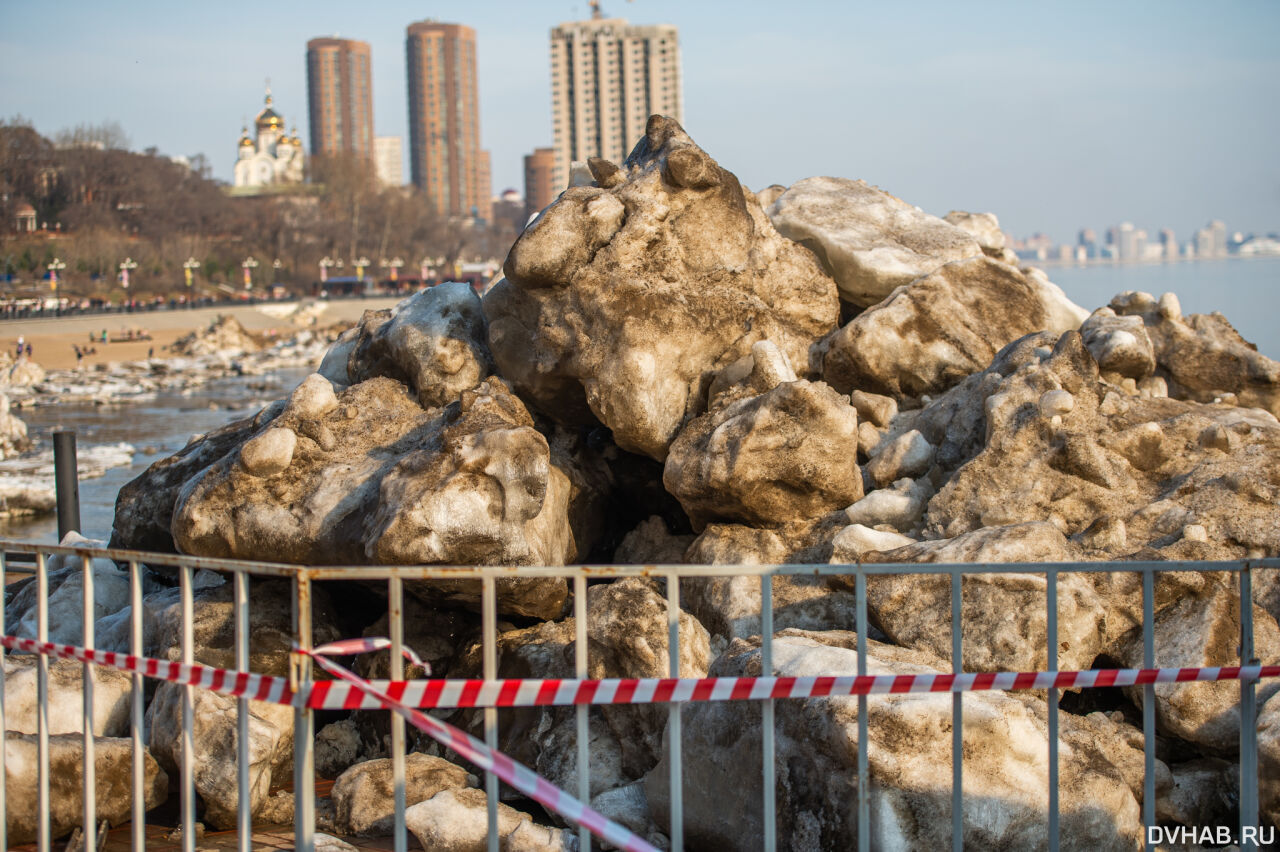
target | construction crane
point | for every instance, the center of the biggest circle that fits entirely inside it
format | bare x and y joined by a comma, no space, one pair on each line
596,14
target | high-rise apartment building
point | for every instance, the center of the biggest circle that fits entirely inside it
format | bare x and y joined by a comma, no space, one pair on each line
340,96
607,78
1211,240
539,191
1130,242
445,159
388,160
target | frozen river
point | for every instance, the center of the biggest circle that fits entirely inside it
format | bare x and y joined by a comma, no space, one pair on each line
154,428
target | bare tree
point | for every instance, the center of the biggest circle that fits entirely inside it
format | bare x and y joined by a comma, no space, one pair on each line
107,136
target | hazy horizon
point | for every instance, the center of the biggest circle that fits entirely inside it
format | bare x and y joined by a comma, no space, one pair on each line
1054,117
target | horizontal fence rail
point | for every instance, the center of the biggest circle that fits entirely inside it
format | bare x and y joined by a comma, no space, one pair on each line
491,693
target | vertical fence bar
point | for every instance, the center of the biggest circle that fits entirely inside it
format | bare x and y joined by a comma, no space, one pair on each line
304,720
395,620
673,718
1148,706
1248,714
188,784
244,802
138,807
957,713
4,804
89,761
580,651
766,716
864,737
1051,632
43,835
489,647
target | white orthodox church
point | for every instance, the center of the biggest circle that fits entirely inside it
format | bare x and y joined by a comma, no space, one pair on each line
273,156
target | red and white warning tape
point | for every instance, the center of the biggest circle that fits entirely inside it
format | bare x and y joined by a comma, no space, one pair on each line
352,692
349,647
491,760
240,684
433,693
336,695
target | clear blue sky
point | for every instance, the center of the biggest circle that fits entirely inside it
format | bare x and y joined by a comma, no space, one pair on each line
1053,115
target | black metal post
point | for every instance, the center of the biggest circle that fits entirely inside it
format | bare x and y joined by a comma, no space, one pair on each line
66,482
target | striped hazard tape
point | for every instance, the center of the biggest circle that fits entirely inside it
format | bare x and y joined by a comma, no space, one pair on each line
240,684
515,774
529,692
349,647
337,695
276,689
349,691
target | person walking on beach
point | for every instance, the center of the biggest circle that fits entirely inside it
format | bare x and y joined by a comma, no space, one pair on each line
79,355
28,350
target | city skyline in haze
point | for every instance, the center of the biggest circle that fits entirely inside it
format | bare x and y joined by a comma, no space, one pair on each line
1054,116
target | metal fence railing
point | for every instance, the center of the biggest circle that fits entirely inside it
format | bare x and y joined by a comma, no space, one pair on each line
27,558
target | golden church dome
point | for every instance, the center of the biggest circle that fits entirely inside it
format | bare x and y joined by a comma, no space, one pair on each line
269,119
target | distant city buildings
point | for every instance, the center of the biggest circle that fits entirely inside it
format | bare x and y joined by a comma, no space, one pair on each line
1126,243
271,156
607,78
340,96
388,160
539,186
445,159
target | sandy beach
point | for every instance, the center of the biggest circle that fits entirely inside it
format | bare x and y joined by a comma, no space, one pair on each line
53,340
54,351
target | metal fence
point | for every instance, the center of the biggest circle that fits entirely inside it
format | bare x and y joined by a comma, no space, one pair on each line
18,557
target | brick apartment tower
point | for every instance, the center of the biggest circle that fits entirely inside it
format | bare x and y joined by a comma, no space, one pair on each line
607,78
445,160
340,96
539,191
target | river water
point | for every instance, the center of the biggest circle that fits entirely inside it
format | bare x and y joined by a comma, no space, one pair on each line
155,428
1247,291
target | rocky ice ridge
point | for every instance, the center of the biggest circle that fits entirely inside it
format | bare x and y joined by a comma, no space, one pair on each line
13,432
666,375
27,481
225,336
26,476
597,322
